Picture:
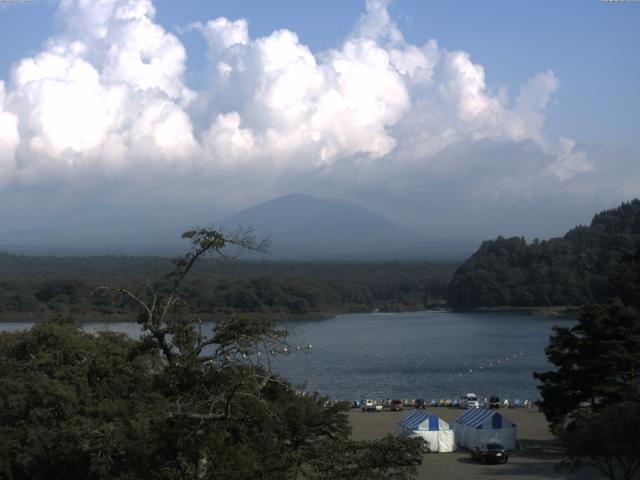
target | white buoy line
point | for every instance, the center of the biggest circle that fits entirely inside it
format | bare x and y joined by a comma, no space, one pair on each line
493,363
297,348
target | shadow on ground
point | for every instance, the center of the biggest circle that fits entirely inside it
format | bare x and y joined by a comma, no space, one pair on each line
538,460
539,448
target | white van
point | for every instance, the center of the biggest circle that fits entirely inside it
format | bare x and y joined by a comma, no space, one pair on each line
470,400
371,406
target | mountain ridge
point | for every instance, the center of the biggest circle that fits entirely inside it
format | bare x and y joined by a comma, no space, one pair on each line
312,226
300,226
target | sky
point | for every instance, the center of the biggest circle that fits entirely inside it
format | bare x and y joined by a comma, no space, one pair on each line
455,119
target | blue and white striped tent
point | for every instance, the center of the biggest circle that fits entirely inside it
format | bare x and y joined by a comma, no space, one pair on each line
478,426
420,423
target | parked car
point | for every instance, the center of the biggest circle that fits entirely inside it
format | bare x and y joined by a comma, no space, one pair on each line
494,403
490,453
371,406
470,400
420,403
396,405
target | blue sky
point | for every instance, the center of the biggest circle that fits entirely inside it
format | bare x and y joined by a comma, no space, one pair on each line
458,130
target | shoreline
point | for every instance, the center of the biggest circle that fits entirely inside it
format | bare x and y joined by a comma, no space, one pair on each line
321,314
565,312
568,312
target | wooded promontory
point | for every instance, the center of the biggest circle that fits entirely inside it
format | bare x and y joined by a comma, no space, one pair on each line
575,269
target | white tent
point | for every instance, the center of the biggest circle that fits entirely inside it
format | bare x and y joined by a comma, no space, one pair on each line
433,429
479,426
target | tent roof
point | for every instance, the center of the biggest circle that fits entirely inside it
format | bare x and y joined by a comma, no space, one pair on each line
477,417
421,420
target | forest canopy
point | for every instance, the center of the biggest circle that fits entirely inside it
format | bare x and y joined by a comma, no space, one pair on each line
571,270
33,287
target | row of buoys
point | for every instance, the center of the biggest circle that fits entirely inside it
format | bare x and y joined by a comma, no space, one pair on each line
494,363
286,349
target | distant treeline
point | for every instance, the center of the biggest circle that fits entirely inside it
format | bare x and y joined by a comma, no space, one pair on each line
50,285
573,270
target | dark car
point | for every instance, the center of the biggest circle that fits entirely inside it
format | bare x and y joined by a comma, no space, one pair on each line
494,403
490,453
396,405
420,403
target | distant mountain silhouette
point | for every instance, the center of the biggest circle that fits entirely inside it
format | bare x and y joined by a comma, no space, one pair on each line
301,227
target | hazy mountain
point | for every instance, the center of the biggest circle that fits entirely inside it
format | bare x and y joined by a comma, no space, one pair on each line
300,224
304,227
301,227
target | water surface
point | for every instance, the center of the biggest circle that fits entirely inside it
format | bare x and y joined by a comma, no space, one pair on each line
421,355
408,355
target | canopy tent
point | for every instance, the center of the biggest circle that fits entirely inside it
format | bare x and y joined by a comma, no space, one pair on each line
478,426
433,429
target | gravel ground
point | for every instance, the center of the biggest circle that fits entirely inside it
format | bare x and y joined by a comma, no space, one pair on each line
535,462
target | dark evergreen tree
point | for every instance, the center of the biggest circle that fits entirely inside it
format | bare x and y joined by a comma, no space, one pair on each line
591,399
598,362
608,441
572,270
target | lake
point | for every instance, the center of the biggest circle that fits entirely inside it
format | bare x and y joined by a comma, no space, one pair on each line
409,355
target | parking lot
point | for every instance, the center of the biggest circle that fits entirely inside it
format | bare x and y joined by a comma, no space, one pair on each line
536,461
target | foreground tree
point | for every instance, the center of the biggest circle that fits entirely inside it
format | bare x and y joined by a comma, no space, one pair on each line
391,458
598,362
591,399
180,403
608,441
74,405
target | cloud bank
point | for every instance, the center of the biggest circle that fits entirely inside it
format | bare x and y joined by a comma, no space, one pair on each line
376,117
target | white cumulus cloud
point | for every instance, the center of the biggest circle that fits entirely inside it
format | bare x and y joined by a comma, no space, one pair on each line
9,140
105,93
106,97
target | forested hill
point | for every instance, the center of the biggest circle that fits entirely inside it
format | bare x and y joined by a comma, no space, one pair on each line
572,270
33,288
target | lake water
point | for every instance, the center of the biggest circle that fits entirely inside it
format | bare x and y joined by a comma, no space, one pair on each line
409,355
